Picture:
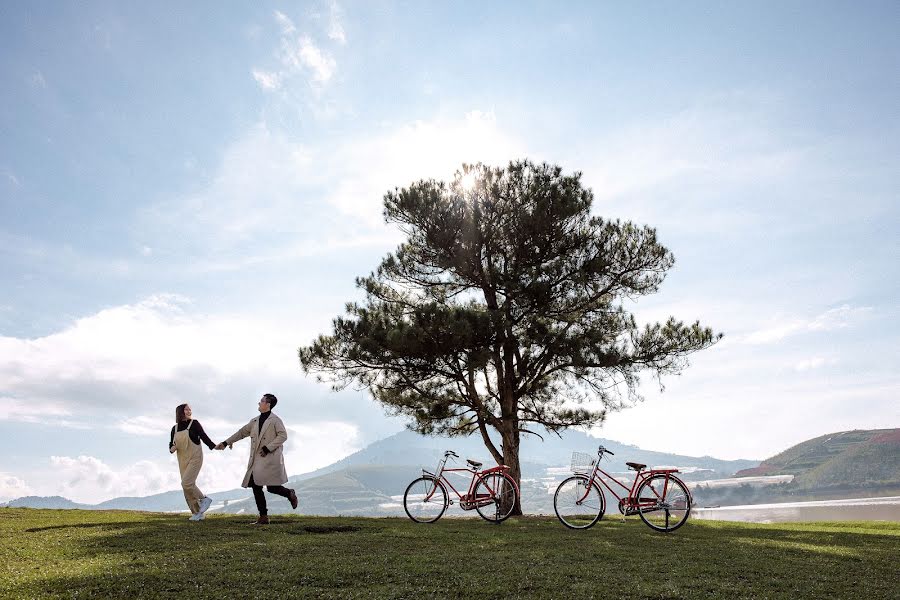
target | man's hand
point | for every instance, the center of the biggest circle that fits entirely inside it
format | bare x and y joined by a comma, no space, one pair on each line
265,451
220,446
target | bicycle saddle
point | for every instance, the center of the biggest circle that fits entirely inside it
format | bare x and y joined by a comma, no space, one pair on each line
636,466
474,463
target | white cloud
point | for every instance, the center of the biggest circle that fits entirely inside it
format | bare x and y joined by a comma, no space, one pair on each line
839,318
11,177
51,413
37,80
300,55
303,54
266,79
134,354
832,319
149,425
13,487
311,446
335,23
695,142
419,150
664,171
809,364
286,24
88,479
303,184
157,424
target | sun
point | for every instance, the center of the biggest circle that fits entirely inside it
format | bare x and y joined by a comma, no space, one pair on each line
467,182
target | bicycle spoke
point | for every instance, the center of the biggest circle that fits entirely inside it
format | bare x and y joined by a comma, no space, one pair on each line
495,497
664,503
425,500
578,502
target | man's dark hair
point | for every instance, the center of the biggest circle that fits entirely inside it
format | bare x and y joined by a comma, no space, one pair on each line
179,413
271,399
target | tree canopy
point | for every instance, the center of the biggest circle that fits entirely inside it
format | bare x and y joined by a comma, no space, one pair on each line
504,309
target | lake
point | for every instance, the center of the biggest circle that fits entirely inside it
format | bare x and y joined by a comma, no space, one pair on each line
855,509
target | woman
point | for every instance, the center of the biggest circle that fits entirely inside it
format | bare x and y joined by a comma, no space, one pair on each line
185,440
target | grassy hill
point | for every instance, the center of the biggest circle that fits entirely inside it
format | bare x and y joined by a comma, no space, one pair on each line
843,460
78,554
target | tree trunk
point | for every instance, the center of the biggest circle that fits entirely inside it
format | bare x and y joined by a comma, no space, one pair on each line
511,459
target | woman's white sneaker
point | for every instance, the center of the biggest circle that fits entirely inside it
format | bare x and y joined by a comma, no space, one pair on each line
205,503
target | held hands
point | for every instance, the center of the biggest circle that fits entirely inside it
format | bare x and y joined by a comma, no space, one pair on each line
220,446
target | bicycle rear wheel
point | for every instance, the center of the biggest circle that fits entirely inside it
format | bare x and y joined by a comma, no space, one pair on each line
495,497
425,500
579,503
664,502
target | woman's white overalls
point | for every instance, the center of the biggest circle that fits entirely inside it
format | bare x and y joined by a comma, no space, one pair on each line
190,459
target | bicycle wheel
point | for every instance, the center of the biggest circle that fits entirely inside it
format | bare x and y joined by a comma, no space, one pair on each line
495,497
425,500
664,502
579,502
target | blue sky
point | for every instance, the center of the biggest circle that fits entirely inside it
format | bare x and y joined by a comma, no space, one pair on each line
188,191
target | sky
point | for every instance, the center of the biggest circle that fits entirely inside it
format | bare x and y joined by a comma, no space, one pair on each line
188,190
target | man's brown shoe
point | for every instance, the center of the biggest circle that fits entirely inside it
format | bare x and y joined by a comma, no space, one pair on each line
262,520
293,499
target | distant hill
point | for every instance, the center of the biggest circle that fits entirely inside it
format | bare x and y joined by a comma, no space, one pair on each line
408,448
842,460
164,502
45,502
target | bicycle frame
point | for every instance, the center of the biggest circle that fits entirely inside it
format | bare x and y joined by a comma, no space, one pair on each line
476,477
630,501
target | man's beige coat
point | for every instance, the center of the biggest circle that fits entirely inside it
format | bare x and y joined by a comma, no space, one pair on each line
269,469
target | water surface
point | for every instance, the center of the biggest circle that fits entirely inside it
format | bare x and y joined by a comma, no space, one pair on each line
853,509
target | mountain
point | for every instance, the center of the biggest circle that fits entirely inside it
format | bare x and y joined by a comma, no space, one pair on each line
164,502
408,448
372,480
842,460
46,502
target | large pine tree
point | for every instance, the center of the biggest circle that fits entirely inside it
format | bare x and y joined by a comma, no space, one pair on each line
504,310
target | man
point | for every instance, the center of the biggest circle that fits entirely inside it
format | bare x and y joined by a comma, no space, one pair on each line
266,465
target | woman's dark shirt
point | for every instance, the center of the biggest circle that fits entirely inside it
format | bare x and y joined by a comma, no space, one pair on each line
196,433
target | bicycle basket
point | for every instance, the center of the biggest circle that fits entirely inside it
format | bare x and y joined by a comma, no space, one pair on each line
583,463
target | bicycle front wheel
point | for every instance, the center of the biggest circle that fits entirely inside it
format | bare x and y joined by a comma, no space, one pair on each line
495,497
425,500
664,502
579,503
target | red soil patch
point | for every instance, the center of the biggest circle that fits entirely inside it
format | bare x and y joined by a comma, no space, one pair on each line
762,469
888,437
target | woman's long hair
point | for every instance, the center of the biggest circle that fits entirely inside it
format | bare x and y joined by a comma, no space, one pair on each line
179,413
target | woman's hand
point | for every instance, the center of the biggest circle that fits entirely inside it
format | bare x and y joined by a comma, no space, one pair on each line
172,449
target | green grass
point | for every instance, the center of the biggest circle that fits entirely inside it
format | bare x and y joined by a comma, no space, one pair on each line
87,554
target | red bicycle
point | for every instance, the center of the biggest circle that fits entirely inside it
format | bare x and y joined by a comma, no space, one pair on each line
660,498
492,492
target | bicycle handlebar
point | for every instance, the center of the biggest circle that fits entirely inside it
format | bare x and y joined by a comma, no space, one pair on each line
601,450
451,453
